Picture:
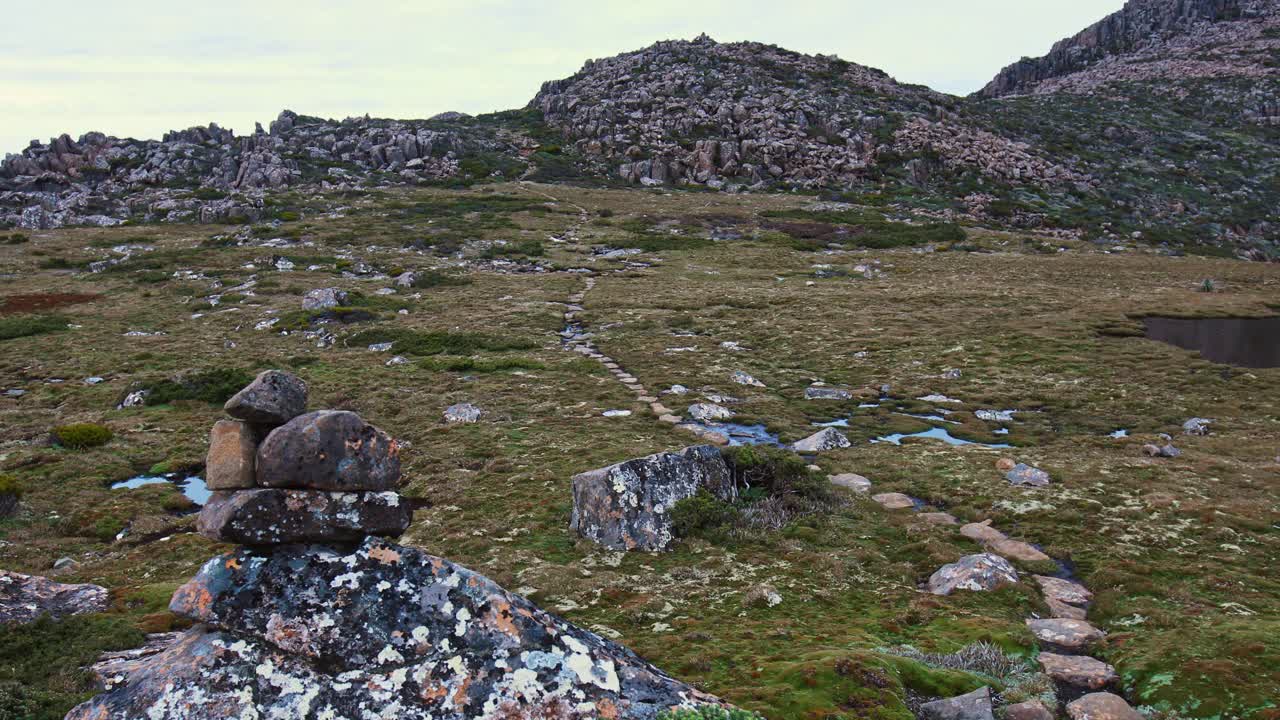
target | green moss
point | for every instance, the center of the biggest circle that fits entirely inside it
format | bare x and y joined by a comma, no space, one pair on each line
28,325
79,436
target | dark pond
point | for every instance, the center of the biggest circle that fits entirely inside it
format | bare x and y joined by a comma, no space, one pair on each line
1244,342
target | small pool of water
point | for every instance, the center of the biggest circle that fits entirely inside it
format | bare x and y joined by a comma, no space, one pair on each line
745,434
193,487
1244,342
1121,433
838,422
935,434
931,418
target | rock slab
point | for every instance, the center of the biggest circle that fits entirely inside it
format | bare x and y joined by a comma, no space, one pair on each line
627,506
1073,635
328,450
970,706
272,516
1078,670
24,598
384,630
272,399
1102,706
229,463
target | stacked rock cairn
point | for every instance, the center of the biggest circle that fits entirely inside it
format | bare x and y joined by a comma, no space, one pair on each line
282,475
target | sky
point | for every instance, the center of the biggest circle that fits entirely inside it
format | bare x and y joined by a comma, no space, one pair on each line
137,68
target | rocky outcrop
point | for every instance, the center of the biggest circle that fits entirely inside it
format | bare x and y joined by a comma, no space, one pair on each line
628,506
24,598
1139,25
384,629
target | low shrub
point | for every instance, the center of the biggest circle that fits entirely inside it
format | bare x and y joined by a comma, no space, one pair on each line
28,325
79,436
702,515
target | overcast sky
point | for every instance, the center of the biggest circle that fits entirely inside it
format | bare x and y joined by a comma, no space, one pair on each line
141,67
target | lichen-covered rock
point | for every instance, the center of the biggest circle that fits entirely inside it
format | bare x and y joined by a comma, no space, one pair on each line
271,516
972,572
1025,475
328,450
462,413
824,392
1072,635
229,463
1065,591
24,598
971,706
824,439
323,299
627,506
383,631
709,412
273,398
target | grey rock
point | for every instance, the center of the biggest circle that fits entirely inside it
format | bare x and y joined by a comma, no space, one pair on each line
627,506
270,516
324,298
273,398
328,450
981,572
824,392
1101,706
823,440
24,598
851,481
1196,426
462,413
1027,476
743,378
709,412
1077,670
971,706
1071,635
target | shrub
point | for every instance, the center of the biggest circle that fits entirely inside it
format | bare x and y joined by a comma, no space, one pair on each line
776,472
434,278
27,325
9,485
701,515
212,386
79,436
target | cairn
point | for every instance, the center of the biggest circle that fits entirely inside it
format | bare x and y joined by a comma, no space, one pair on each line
282,475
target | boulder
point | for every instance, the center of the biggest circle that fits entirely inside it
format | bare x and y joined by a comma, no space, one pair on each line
851,481
825,439
24,598
1072,635
894,501
1101,706
462,413
271,516
1196,426
272,399
328,450
979,572
1023,474
229,463
627,506
324,298
971,706
743,378
1078,670
381,631
709,412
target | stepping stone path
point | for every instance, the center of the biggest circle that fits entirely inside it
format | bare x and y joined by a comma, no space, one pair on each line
1102,706
973,572
1071,635
1078,670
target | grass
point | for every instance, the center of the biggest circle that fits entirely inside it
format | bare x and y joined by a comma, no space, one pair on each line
410,342
214,386
27,325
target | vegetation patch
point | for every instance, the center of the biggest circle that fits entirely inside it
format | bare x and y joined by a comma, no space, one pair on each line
214,386
811,230
415,342
28,325
79,436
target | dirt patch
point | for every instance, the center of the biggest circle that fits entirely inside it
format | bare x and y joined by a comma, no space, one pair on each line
38,302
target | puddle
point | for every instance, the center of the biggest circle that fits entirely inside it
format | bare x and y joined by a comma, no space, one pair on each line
838,422
193,487
931,418
745,434
1244,342
935,434
1121,433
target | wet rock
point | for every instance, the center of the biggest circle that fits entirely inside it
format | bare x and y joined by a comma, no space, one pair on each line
24,598
709,412
324,298
627,506
982,532
1017,550
979,572
229,463
315,632
894,501
852,481
743,378
1027,476
462,413
272,399
1101,706
823,392
1078,670
825,439
1196,426
328,450
1029,710
971,706
1072,635
272,516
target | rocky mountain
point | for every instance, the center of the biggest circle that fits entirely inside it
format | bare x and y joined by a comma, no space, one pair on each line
1159,124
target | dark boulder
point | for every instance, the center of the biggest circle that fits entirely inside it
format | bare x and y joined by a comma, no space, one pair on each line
627,506
311,632
273,398
328,450
276,517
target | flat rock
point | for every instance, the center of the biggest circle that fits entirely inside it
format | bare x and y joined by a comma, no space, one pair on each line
937,518
704,434
1101,706
229,462
981,572
381,631
627,506
1029,710
826,392
1027,476
971,706
894,501
1066,591
328,450
982,532
271,516
462,413
1059,609
825,439
1017,550
273,398
1078,670
1074,635
852,481
709,412
323,298
24,598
